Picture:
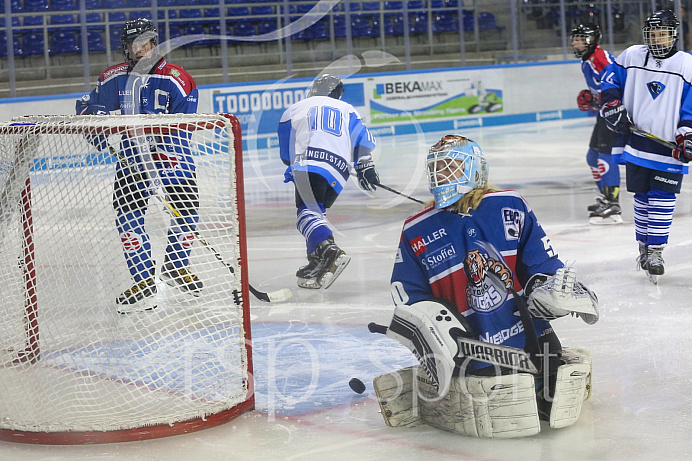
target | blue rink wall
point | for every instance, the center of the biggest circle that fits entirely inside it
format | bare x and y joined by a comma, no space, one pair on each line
391,104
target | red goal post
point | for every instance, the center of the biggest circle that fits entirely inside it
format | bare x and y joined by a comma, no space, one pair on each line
73,370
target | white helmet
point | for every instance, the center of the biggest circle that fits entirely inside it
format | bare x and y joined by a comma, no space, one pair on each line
455,165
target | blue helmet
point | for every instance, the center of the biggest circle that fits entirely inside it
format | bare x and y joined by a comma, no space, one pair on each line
455,165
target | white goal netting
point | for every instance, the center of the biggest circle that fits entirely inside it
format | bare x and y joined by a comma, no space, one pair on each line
69,362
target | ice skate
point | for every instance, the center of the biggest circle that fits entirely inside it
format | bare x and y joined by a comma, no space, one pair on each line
333,260
182,279
655,262
607,213
643,256
307,277
600,200
651,260
140,297
325,266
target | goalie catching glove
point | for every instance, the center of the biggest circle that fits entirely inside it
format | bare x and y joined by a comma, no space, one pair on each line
552,297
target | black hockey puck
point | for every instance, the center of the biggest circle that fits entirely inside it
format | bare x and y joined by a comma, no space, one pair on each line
357,385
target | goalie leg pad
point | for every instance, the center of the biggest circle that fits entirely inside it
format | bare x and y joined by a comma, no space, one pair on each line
579,355
485,407
397,395
573,386
423,328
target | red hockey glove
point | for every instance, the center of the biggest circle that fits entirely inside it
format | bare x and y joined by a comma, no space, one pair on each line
586,101
684,150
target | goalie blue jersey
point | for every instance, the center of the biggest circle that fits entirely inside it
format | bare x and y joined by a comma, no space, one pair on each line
451,256
323,135
657,96
167,89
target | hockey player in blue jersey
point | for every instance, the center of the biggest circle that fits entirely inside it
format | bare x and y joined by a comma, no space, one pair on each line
600,156
648,86
147,84
476,264
320,139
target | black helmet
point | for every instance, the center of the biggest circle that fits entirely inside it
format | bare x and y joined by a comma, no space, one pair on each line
141,30
327,85
662,44
590,34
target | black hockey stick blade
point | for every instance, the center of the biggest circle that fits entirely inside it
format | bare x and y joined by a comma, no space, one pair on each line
394,191
650,136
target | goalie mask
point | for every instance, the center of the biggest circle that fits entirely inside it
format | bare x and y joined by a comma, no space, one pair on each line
584,39
455,166
327,85
660,33
135,36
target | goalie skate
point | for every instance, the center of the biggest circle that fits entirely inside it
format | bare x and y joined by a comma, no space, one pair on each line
140,297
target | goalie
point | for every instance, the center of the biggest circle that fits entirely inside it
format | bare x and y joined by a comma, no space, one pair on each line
490,363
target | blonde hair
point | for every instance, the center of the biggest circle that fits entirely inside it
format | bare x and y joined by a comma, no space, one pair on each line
470,200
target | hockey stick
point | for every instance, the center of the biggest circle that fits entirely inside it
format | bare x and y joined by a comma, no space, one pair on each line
394,191
656,139
494,354
274,296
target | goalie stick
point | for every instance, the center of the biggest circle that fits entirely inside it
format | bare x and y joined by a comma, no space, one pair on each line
272,296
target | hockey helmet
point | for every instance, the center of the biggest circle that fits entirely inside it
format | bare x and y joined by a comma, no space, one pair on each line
327,85
660,33
586,37
455,166
137,33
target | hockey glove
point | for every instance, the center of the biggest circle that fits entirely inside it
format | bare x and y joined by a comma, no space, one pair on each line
84,108
367,175
586,101
616,117
684,150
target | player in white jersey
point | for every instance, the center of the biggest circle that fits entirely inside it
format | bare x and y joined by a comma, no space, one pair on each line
648,86
320,139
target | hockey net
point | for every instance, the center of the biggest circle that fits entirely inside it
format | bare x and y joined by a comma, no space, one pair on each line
74,370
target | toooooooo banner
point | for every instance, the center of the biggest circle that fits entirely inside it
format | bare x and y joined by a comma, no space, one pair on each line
433,96
259,107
